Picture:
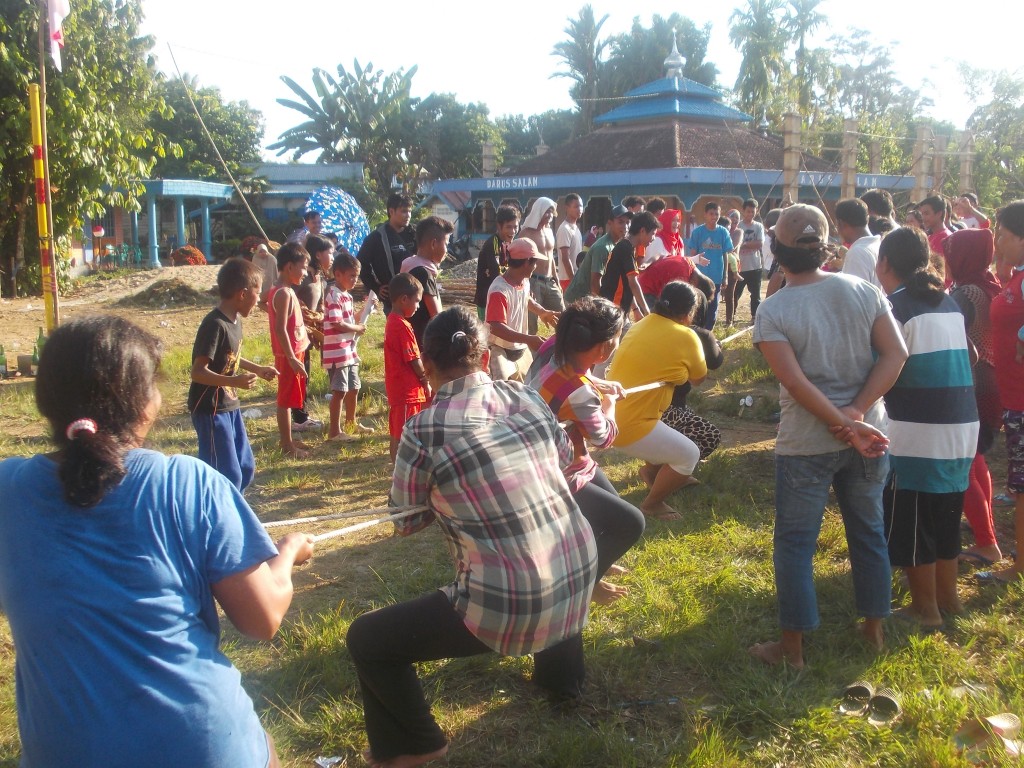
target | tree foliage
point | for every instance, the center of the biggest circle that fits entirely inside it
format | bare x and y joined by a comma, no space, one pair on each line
101,142
758,32
582,54
236,127
520,136
998,129
449,136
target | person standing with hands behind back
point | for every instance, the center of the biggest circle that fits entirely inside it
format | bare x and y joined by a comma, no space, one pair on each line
216,411
290,343
405,379
119,619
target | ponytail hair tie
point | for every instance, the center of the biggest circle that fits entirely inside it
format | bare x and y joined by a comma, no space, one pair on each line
80,425
458,335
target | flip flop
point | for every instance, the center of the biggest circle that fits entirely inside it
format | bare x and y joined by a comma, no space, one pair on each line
991,577
884,708
856,697
976,560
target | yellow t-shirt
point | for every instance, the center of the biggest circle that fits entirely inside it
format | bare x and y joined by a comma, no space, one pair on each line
655,349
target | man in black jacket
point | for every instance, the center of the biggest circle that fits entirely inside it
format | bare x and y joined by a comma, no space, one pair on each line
383,251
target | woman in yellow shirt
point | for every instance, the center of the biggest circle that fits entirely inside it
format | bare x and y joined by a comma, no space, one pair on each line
659,348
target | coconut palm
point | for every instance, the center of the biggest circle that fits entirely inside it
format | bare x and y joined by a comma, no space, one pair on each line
757,32
582,55
801,19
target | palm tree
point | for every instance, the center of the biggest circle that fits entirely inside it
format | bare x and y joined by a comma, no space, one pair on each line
758,33
801,19
582,56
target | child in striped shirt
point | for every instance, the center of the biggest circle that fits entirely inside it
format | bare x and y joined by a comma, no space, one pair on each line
339,354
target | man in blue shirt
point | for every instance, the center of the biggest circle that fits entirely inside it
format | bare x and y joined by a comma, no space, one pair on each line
707,246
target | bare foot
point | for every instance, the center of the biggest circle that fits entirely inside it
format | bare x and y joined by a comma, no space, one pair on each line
908,614
342,437
691,480
616,570
294,451
978,556
606,593
300,444
660,511
362,429
405,761
872,633
773,654
953,609
1007,575
647,474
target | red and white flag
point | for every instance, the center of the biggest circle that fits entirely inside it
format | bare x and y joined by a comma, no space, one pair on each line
58,11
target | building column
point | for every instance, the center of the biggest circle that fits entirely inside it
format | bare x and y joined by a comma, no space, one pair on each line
88,255
207,236
179,220
939,162
133,220
154,232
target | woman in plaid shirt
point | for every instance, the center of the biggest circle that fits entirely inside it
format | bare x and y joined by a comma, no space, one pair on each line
486,458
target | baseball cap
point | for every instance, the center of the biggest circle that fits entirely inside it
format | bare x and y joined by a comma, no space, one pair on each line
523,248
801,226
620,210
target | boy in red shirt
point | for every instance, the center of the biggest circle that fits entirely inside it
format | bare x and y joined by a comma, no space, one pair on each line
405,379
289,340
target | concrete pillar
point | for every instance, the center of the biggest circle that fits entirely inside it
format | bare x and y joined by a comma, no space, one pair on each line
939,162
207,235
154,232
848,186
921,164
88,255
134,221
179,220
489,162
875,156
967,162
791,156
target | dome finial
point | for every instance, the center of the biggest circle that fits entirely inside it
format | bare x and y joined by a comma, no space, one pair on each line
675,62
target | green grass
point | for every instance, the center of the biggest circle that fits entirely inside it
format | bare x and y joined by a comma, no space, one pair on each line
669,680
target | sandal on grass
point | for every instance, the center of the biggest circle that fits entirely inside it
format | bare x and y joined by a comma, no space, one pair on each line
856,697
979,730
884,708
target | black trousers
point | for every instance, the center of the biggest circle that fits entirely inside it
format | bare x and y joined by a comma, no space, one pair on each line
616,523
386,643
752,280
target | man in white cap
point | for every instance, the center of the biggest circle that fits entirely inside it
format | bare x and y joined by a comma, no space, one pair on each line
820,335
508,303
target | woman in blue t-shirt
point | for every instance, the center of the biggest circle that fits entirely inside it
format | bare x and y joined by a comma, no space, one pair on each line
111,558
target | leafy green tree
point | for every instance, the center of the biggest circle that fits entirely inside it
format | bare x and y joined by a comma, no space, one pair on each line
360,116
236,127
756,30
998,129
581,53
638,56
450,136
98,118
521,135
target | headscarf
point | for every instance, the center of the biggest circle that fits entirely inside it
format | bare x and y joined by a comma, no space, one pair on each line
968,257
540,206
673,240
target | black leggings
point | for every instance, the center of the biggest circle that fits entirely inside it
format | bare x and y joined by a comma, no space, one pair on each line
616,523
387,642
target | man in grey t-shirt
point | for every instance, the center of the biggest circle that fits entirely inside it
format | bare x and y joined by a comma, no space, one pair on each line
820,335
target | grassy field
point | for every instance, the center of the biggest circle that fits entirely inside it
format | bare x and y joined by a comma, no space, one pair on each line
670,683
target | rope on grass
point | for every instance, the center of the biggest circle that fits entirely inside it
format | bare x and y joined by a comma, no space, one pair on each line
369,523
336,516
736,335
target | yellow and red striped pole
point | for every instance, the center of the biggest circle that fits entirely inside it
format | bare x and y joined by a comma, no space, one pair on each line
49,281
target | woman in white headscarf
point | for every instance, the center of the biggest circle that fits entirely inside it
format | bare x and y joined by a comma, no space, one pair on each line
544,283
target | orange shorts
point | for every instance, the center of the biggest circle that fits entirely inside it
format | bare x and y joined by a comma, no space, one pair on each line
291,388
399,414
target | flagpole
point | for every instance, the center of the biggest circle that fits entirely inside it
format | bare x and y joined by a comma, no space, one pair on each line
47,256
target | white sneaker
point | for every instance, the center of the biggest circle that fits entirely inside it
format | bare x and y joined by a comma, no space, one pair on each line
362,429
309,425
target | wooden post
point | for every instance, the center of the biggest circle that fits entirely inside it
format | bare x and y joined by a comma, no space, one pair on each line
967,162
875,155
848,186
791,156
921,164
939,162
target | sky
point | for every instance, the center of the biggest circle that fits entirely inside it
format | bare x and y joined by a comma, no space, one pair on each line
504,59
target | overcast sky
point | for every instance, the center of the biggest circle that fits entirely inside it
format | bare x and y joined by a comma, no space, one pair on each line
504,58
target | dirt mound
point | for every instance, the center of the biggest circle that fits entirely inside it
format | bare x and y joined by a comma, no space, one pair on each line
163,293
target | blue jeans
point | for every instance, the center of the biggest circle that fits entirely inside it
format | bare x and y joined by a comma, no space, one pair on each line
224,445
801,493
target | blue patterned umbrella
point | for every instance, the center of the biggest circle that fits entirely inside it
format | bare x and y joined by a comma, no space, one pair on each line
341,215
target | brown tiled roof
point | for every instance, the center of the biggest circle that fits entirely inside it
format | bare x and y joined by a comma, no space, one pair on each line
665,144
